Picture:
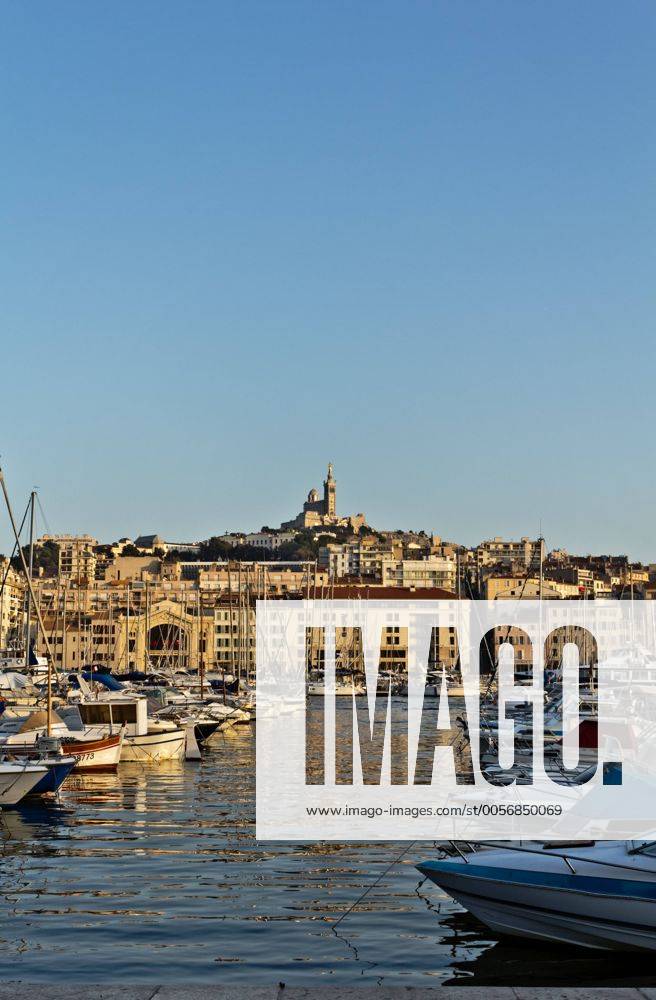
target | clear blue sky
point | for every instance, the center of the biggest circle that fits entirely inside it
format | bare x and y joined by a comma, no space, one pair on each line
241,239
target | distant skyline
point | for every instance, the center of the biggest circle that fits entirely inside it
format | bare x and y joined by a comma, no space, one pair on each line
415,239
43,525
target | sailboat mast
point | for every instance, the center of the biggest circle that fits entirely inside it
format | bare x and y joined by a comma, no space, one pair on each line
34,602
127,631
29,596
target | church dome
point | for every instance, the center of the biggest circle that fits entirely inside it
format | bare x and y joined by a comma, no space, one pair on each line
313,495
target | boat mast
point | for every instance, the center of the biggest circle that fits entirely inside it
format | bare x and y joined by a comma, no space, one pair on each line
34,602
31,569
127,631
201,652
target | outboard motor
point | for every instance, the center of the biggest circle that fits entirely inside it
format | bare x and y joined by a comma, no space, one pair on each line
48,745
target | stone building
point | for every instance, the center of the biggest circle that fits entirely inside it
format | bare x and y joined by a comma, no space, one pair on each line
322,511
162,635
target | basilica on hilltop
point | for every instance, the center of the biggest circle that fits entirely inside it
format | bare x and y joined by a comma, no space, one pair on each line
322,511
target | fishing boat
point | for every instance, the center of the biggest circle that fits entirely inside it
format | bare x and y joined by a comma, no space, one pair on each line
144,740
595,894
18,779
95,754
22,734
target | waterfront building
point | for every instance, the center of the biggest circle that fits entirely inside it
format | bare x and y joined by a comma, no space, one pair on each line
157,635
12,607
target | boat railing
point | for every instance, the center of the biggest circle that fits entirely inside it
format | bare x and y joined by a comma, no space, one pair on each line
554,849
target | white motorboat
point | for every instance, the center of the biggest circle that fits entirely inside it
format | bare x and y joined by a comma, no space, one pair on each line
599,895
17,779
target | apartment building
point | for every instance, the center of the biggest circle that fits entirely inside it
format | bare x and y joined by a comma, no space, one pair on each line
12,606
273,579
234,640
526,552
435,571
77,556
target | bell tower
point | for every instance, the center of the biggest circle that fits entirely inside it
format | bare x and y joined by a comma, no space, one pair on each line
329,492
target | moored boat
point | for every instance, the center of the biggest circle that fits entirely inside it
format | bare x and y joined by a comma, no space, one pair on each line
92,751
46,752
599,895
162,741
143,740
58,769
102,754
18,779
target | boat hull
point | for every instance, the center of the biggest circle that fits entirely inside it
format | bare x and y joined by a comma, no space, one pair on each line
203,731
95,755
58,772
593,912
167,744
16,785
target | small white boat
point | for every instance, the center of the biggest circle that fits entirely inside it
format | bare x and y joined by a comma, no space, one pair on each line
17,779
599,895
343,689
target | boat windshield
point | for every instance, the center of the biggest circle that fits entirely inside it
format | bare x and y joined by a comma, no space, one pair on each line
647,847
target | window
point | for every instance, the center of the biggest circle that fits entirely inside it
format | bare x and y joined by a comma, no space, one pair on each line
94,715
124,713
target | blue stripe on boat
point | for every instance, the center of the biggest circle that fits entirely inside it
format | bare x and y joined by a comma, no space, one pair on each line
54,779
547,880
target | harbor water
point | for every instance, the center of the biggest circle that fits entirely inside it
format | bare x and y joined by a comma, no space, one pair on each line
155,873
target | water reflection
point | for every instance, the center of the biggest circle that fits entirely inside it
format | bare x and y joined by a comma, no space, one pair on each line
156,873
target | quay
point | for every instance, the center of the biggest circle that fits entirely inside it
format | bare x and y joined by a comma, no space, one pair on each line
200,991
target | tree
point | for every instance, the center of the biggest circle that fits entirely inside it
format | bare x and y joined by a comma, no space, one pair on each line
214,549
131,550
46,558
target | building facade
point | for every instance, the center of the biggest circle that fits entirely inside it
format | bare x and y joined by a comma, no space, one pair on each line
12,608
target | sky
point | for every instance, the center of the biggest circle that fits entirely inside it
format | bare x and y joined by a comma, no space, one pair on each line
416,239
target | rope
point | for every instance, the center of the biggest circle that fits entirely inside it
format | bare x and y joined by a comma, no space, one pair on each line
373,885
